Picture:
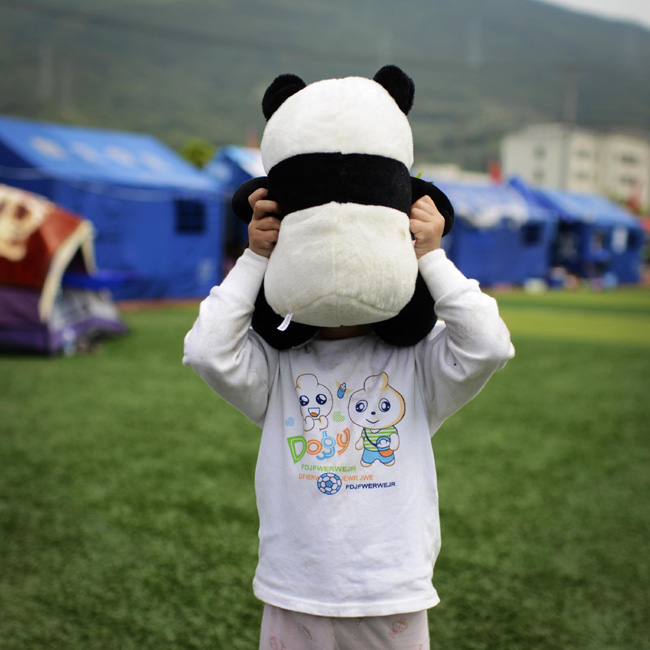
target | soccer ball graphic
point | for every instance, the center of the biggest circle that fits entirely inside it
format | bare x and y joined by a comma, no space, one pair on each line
329,483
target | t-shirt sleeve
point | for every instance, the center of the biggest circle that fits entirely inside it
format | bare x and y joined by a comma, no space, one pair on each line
458,357
222,348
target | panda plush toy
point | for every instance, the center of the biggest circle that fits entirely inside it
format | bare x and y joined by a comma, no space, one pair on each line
337,153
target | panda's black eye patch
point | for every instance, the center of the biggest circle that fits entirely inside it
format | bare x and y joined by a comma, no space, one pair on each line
399,85
279,91
307,180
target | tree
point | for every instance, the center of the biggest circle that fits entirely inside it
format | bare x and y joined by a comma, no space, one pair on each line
197,151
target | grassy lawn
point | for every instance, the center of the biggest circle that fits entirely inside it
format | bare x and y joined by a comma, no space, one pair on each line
127,511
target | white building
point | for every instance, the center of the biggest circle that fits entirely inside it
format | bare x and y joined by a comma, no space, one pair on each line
624,168
560,156
450,172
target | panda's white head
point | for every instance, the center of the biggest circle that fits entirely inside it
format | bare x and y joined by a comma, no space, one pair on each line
337,153
348,116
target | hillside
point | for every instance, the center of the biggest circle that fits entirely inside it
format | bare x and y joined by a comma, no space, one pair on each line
198,68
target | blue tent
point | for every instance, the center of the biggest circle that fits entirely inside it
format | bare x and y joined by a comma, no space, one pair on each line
596,237
157,219
499,237
229,168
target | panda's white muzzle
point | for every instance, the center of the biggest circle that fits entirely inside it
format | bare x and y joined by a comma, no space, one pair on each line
329,262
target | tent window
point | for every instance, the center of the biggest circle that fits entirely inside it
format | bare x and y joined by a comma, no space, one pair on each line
598,242
531,234
619,240
634,240
190,217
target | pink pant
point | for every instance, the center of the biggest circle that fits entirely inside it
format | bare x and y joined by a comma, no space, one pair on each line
286,630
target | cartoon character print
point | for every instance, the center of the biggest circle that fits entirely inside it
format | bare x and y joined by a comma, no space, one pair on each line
21,215
377,408
315,402
399,627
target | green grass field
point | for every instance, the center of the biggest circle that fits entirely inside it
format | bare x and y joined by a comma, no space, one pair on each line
127,511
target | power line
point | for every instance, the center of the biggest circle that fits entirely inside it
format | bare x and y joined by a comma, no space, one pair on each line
219,40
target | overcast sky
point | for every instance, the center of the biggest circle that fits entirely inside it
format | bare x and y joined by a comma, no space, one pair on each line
634,10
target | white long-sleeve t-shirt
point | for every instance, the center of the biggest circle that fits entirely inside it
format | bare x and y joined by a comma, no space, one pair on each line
345,479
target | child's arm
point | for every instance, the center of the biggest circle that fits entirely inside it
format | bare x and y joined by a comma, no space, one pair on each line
221,348
455,363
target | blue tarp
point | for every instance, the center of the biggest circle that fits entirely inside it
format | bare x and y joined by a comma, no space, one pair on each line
596,237
499,236
578,206
229,168
157,218
232,165
490,204
84,154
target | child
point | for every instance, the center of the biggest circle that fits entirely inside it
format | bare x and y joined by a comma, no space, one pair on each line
345,478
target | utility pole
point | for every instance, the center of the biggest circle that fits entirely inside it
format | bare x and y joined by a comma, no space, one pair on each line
384,45
66,87
45,71
570,115
570,94
474,43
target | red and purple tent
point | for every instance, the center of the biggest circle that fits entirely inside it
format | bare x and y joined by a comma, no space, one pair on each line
51,297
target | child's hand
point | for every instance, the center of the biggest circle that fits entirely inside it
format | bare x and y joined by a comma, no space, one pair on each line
426,224
263,230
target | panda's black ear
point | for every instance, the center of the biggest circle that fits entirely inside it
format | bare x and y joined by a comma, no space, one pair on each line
399,85
420,188
240,205
279,91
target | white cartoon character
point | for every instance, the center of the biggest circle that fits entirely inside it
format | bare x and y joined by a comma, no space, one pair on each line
377,408
399,627
21,214
315,402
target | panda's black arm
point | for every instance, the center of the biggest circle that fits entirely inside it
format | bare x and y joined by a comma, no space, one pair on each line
240,205
420,188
